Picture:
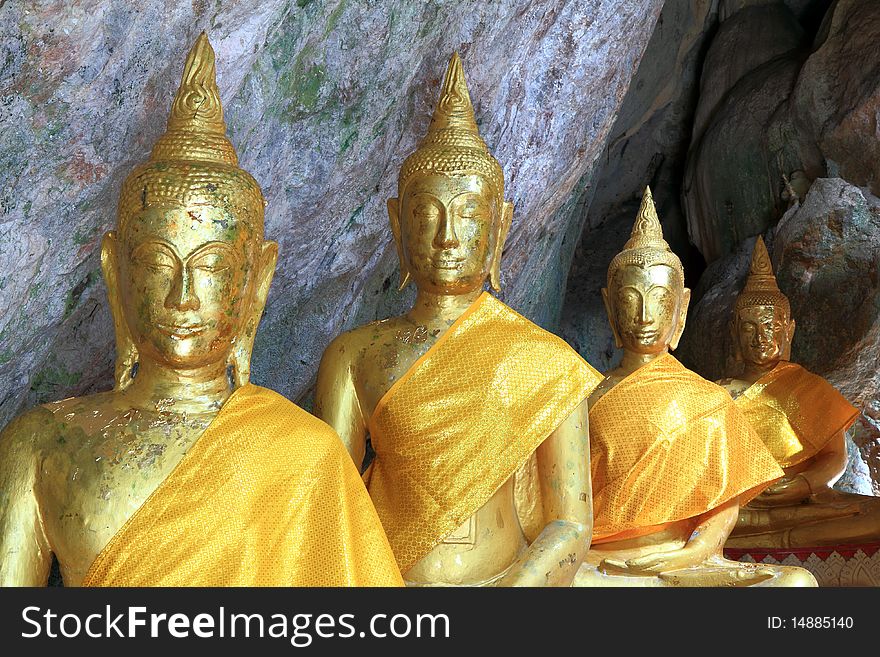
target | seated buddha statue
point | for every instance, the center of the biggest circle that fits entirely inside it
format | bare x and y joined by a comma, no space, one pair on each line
459,392
185,473
672,457
802,420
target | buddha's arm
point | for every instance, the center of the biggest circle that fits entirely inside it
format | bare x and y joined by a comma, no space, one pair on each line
706,540
828,465
555,555
822,471
25,555
336,400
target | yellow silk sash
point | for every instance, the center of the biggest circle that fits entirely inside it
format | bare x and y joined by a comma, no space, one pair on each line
267,496
795,412
667,445
463,418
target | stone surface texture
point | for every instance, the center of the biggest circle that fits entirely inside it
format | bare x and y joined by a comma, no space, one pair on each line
837,97
323,99
826,257
647,146
783,94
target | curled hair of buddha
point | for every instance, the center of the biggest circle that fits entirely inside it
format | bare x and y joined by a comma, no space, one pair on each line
761,288
193,163
453,145
646,245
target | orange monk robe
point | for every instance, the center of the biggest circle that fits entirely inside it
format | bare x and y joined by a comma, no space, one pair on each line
665,446
463,418
795,412
267,496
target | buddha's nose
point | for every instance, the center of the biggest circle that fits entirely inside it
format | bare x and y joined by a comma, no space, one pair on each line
445,237
645,315
182,295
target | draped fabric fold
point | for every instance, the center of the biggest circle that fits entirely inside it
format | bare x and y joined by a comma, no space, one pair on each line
463,418
667,445
795,412
267,496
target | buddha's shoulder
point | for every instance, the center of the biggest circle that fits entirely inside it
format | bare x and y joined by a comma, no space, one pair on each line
692,384
47,422
355,342
284,412
733,386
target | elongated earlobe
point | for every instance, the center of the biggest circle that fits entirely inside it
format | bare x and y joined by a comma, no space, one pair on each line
394,219
609,311
682,318
126,351
789,334
244,344
500,238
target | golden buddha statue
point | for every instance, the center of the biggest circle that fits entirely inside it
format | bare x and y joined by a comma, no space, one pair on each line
459,392
672,457
802,420
185,473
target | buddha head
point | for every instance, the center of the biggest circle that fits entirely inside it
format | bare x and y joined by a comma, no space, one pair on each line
187,268
762,326
645,297
450,218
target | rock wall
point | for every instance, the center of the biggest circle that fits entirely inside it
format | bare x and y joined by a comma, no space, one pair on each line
784,99
323,100
647,146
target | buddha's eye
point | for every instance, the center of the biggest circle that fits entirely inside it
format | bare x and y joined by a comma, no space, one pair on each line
212,262
426,211
157,260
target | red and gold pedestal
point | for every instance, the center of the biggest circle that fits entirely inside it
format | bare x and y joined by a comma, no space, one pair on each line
833,565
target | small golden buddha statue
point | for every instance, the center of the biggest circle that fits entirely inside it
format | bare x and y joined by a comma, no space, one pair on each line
459,392
185,473
672,457
802,420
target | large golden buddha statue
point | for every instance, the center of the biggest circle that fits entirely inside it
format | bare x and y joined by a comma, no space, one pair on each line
459,392
802,419
672,457
185,473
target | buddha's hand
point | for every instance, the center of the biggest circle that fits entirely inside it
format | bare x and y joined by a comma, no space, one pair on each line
657,563
786,491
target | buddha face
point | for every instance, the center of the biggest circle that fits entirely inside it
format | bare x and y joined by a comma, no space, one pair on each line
186,283
763,335
448,230
646,307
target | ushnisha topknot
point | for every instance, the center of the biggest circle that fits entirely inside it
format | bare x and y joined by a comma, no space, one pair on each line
453,144
646,245
761,288
193,163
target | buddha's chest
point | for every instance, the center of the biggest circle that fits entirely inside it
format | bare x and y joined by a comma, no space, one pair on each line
382,365
90,485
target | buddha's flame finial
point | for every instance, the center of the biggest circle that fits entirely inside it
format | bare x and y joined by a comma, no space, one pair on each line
646,245
761,288
761,278
454,115
453,144
647,231
196,129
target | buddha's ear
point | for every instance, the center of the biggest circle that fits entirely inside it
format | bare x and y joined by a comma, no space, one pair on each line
611,318
126,352
244,344
789,336
682,317
394,220
501,231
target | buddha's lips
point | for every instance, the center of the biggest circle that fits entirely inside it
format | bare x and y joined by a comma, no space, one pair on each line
447,263
646,335
182,330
